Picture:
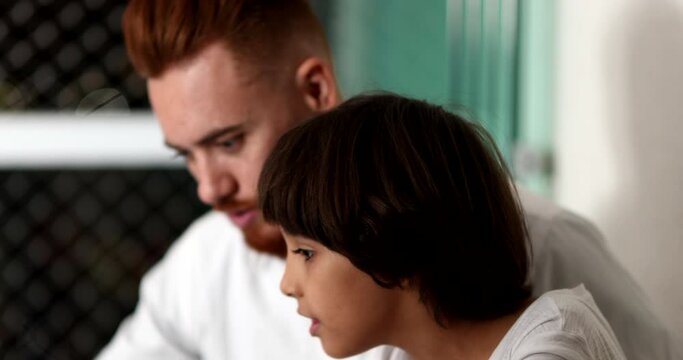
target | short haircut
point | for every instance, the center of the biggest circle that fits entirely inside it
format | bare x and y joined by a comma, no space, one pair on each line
410,194
161,33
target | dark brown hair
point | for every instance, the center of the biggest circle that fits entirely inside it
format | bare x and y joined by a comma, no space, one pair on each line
406,191
160,33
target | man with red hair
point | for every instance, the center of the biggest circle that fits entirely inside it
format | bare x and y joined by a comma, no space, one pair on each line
226,78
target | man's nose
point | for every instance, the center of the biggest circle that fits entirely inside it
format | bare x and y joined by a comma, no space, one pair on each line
214,184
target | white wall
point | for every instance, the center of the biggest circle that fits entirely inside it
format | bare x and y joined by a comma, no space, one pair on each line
619,134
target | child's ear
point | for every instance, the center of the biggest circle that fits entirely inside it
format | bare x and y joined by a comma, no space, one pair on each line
316,83
407,284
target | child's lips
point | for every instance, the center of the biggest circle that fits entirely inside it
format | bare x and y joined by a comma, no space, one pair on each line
315,324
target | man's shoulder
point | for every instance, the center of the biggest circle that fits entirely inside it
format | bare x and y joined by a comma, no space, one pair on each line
546,219
537,205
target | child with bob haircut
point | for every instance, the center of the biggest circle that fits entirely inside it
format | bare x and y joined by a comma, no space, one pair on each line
403,228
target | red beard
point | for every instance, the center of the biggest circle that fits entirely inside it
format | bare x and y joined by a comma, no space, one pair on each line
265,238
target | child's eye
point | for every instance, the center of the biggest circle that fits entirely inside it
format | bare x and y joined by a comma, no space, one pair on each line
306,253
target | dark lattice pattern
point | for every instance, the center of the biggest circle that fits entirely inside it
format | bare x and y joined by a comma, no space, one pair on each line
55,53
73,247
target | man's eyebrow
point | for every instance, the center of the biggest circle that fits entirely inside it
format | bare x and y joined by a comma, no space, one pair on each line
211,136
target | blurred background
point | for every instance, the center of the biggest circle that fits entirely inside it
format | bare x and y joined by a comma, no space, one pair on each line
583,98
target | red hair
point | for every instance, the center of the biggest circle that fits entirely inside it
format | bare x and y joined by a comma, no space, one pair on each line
160,33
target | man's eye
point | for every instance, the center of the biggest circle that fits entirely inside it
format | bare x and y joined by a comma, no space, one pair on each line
233,143
306,253
181,154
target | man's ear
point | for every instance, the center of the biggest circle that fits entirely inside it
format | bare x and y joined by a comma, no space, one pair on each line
316,82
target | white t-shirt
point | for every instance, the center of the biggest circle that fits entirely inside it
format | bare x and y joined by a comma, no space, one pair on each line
212,297
561,324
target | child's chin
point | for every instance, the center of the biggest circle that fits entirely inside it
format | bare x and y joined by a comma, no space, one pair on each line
340,351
